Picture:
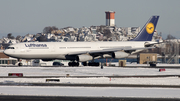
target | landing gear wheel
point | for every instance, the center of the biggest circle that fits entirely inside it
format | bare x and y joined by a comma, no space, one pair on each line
84,63
69,64
20,64
77,63
73,63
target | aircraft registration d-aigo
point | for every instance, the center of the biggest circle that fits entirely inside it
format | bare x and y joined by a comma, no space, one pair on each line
84,51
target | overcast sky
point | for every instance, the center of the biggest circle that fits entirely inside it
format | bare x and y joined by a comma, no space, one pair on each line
21,17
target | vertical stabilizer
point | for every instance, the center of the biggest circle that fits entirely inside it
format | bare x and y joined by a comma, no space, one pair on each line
147,31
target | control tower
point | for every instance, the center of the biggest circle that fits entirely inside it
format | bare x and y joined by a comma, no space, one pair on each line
110,21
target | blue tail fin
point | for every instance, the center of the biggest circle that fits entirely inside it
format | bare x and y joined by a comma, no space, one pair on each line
147,31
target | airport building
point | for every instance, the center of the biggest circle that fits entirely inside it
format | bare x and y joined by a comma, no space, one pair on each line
6,60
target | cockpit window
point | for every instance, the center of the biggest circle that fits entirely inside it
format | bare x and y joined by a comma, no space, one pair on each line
10,48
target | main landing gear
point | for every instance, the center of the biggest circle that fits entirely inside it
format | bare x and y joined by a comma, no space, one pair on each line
73,63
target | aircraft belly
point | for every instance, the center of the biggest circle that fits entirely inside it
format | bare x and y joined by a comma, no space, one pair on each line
35,56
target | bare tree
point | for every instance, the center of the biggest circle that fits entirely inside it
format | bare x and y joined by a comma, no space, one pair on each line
54,28
10,36
48,29
169,36
42,38
107,33
18,37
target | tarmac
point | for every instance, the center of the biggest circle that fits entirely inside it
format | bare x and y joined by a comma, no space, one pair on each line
87,85
134,76
72,98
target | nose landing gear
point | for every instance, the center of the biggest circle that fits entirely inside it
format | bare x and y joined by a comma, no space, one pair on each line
20,64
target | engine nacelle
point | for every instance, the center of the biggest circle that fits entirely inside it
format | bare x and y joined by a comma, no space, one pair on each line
83,58
150,44
117,55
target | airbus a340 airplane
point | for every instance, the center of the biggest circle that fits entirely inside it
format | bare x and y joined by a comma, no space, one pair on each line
84,51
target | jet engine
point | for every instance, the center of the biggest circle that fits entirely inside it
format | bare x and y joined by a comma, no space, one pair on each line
83,58
150,44
119,55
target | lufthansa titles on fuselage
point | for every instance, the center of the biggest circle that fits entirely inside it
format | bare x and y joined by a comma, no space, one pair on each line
34,46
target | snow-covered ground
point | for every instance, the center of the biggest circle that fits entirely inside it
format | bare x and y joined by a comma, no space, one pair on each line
85,71
92,71
102,80
91,91
143,65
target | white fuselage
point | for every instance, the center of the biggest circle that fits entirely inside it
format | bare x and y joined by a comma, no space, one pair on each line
58,50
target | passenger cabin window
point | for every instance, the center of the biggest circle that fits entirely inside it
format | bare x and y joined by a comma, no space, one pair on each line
10,48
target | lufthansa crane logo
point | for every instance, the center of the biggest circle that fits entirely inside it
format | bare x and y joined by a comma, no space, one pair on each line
150,28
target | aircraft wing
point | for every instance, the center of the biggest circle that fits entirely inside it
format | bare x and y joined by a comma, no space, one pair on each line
139,48
108,50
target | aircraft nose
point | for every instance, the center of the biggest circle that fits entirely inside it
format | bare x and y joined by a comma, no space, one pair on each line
5,52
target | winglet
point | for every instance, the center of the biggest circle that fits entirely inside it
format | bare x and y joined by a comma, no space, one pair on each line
147,31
